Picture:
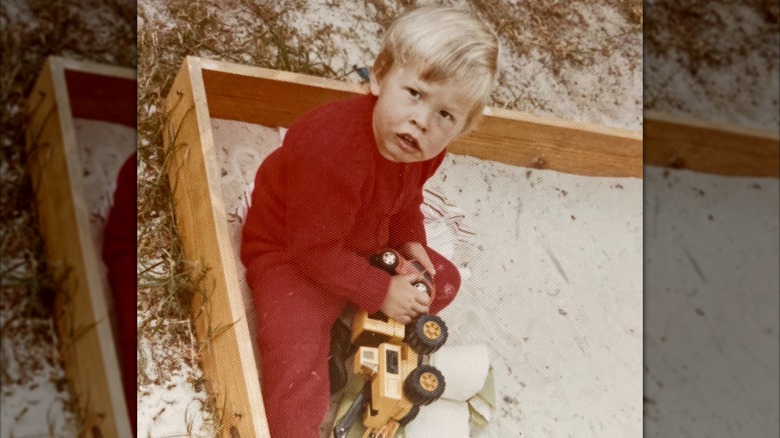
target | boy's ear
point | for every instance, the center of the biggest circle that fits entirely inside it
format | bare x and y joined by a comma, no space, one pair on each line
468,130
374,79
374,83
473,125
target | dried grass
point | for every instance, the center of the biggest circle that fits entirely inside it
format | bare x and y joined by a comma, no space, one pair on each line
708,36
555,28
693,29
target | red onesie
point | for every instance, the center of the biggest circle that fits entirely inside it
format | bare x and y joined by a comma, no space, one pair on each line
322,203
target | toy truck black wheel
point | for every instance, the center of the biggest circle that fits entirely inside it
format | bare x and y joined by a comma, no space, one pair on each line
386,260
426,334
340,350
410,416
424,385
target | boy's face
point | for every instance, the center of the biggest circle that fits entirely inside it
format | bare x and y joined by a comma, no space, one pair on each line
414,120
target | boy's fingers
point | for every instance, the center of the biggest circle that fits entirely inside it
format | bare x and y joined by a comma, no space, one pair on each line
418,309
413,277
423,299
429,267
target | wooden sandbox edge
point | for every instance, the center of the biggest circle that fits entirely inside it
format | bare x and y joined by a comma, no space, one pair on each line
220,316
686,143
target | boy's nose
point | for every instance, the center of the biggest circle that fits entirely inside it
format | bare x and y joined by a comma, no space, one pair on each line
421,119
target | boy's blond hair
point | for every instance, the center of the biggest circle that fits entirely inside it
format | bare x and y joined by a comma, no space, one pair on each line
444,43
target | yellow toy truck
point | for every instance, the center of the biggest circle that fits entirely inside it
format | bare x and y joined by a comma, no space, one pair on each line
392,358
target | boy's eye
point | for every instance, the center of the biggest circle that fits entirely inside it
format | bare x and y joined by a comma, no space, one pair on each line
446,115
414,93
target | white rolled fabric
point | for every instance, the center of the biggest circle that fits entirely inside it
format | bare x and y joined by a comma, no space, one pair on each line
465,368
440,419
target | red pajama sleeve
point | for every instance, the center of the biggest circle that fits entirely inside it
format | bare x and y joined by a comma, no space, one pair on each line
323,192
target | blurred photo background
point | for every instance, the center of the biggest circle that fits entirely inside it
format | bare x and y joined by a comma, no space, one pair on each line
36,400
711,92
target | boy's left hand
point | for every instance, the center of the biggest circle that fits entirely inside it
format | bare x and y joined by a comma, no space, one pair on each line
416,251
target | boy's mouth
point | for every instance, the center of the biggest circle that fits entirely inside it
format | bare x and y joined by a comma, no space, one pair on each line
409,142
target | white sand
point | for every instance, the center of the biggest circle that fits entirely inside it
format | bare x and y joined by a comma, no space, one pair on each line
170,404
711,255
552,284
35,403
555,291
711,305
103,148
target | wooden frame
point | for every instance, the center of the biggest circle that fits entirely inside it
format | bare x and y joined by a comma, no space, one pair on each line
65,90
205,89
717,148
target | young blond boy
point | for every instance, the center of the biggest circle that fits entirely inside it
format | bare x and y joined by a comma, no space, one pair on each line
346,183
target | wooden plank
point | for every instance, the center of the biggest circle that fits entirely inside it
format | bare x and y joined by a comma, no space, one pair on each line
274,98
526,140
85,332
220,316
267,97
686,143
105,98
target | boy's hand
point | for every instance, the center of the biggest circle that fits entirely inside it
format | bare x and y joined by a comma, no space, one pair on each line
416,251
404,302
